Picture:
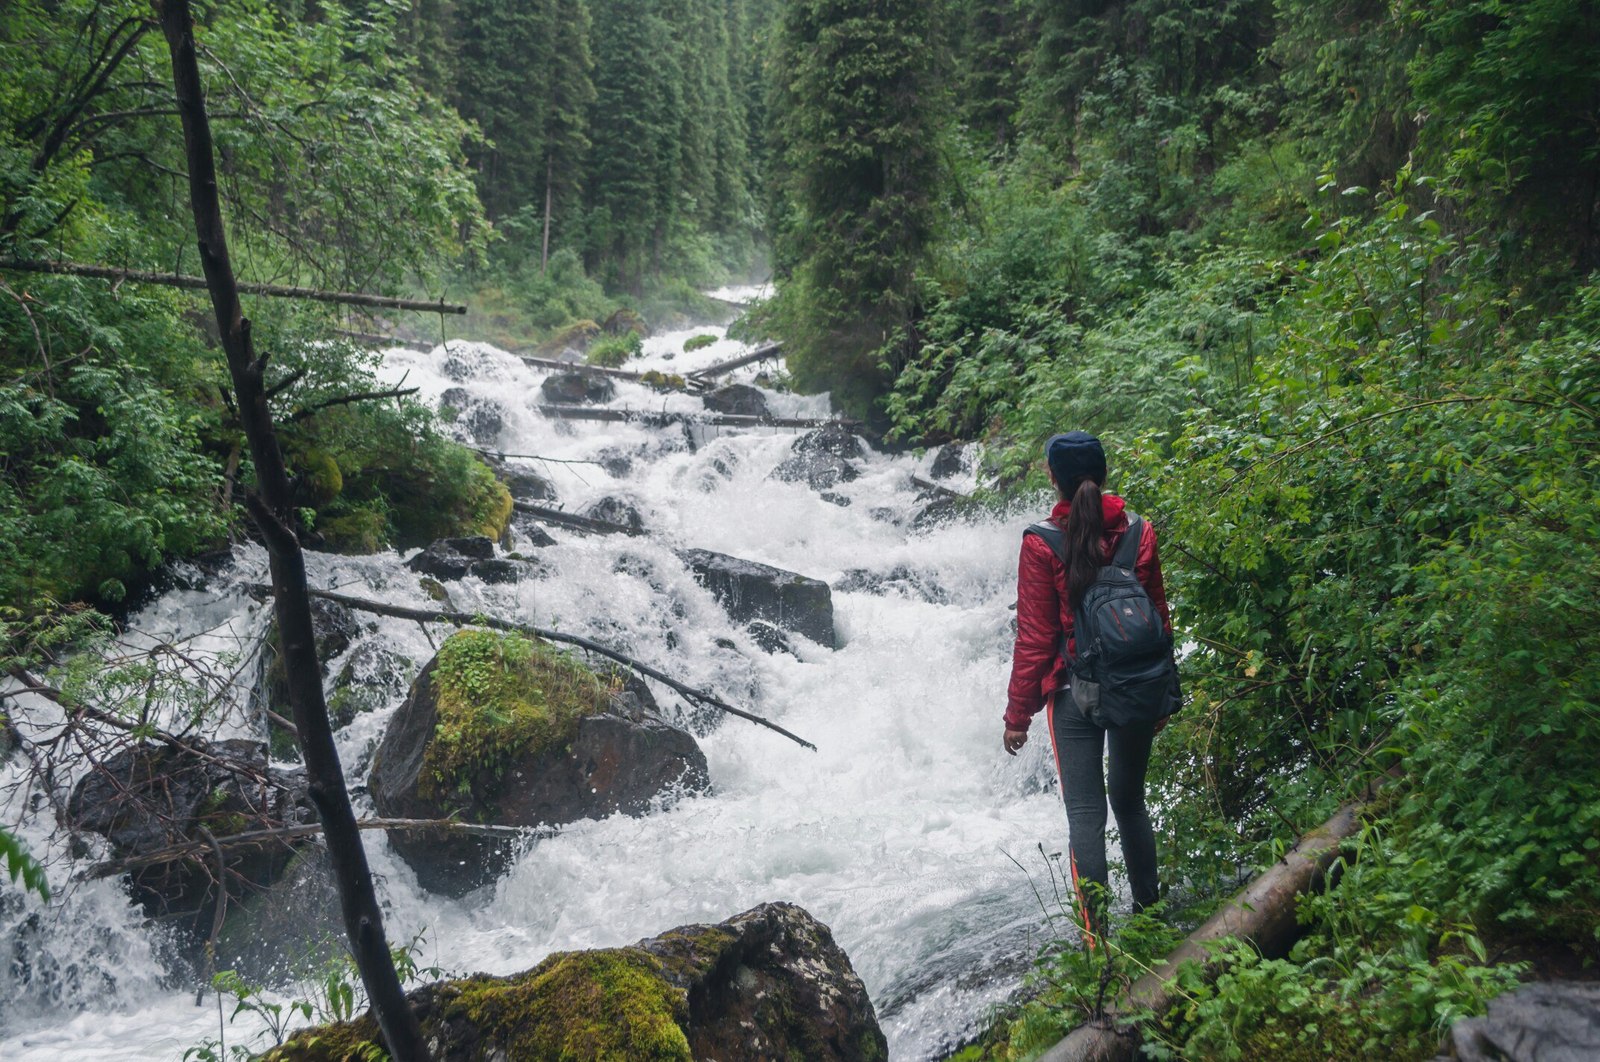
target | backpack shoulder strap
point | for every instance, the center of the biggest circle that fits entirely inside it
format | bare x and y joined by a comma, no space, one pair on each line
1053,537
1127,554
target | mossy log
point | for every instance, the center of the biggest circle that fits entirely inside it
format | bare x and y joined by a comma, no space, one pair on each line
1262,913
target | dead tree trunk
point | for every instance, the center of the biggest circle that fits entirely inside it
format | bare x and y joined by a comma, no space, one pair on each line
270,508
1263,913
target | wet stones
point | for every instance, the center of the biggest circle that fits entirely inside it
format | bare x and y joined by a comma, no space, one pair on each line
949,460
737,399
480,420
616,511
822,458
750,591
1550,1020
770,983
899,579
522,482
449,559
592,759
146,798
577,388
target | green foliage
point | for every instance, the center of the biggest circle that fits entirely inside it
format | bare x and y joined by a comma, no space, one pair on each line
336,995
19,863
498,695
857,126
698,342
614,351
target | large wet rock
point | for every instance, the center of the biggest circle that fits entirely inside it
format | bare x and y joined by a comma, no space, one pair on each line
577,388
481,420
749,591
549,744
822,458
147,798
523,482
449,559
767,984
737,399
1555,1021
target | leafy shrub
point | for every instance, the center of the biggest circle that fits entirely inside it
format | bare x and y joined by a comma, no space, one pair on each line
611,352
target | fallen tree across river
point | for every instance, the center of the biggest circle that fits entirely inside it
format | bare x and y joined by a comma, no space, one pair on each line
465,619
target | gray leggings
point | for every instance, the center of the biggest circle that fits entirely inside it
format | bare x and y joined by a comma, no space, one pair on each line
1086,782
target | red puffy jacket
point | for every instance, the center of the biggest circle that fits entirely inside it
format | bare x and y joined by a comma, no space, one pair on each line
1037,670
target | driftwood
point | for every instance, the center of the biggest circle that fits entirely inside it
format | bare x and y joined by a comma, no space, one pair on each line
177,280
660,420
465,619
271,507
761,353
1262,913
577,523
261,838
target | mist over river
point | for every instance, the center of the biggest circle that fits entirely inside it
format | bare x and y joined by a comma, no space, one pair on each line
899,833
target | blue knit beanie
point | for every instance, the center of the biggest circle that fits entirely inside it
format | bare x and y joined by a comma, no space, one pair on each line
1075,455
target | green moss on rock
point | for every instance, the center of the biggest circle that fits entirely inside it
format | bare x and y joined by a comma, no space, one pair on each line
499,696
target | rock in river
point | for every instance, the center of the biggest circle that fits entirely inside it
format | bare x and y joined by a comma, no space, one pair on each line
504,730
767,984
738,399
574,388
752,591
146,798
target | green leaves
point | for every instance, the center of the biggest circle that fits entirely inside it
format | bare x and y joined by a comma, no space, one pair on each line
21,864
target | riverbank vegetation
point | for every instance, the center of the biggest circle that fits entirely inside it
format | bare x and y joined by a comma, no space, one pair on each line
1322,277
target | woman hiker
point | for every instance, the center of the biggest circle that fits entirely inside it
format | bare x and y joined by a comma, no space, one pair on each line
1093,523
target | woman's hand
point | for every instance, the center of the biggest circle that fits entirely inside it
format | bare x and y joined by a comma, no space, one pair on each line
1015,739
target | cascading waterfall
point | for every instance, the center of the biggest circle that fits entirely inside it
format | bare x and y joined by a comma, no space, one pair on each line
900,833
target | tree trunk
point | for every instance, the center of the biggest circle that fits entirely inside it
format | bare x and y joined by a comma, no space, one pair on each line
1263,913
270,508
544,252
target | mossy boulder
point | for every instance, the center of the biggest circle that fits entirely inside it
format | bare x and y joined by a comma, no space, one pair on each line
624,321
291,929
575,336
504,730
767,984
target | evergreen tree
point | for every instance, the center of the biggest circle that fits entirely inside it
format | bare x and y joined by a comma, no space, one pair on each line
505,56
635,126
856,129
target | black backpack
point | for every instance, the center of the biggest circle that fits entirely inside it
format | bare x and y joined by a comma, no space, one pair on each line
1124,670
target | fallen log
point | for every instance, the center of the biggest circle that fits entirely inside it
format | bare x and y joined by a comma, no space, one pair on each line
1263,913
762,353
258,838
572,520
653,419
464,619
177,280
578,366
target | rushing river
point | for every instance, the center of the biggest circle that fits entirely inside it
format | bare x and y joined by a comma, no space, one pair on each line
904,832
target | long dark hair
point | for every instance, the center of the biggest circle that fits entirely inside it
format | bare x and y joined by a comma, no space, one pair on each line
1085,535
